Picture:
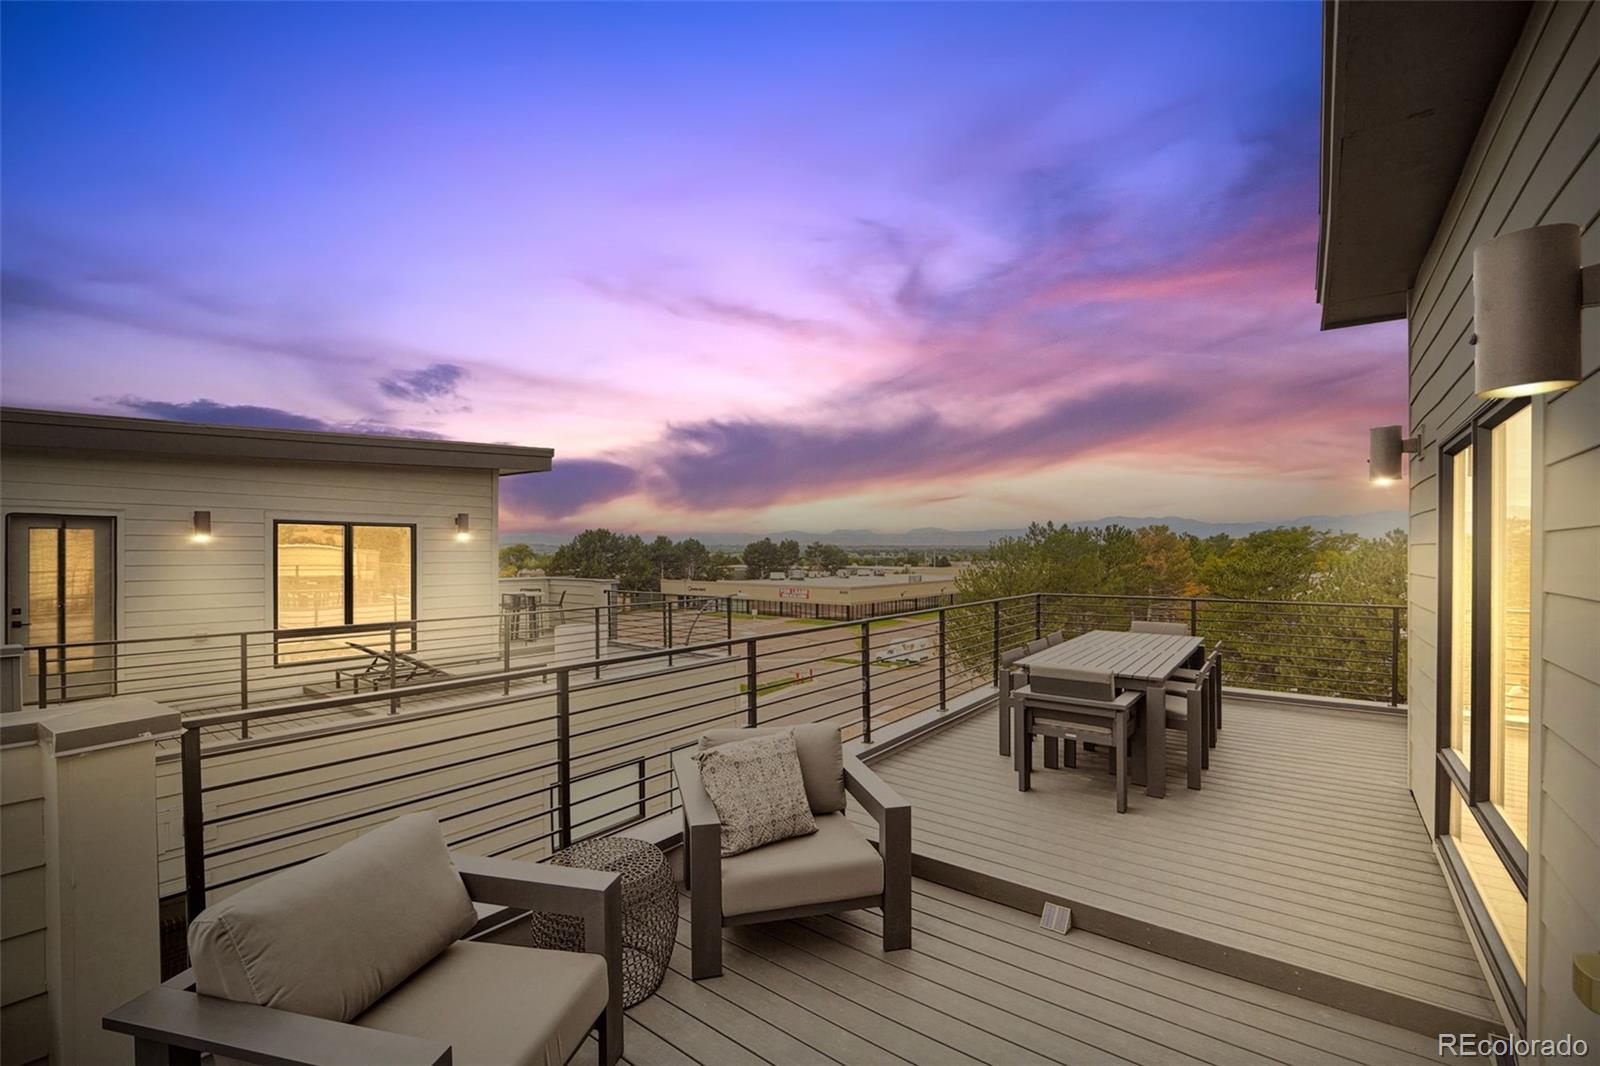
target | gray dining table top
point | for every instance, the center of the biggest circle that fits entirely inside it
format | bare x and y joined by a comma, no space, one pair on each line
1129,656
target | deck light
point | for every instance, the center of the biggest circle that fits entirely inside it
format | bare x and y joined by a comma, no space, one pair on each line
202,527
1528,292
1383,462
463,527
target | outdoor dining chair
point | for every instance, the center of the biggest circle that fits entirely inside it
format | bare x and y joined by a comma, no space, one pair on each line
1089,710
1189,711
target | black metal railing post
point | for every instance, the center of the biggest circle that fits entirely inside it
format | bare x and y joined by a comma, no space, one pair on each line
564,757
866,682
244,683
394,700
194,824
1194,617
505,637
751,714
44,681
943,649
995,666
1394,656
1038,615
730,617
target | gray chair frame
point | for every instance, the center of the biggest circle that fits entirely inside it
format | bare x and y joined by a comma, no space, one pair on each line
1098,714
1189,676
1201,693
173,1024
702,861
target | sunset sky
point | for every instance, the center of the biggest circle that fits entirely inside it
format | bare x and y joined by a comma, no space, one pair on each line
744,267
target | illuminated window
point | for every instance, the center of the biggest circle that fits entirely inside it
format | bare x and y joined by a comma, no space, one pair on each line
1484,698
342,574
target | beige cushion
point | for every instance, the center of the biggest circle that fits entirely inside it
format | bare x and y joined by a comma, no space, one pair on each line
821,759
756,787
498,1004
331,936
835,863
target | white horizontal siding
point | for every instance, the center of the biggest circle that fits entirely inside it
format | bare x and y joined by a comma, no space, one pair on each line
169,586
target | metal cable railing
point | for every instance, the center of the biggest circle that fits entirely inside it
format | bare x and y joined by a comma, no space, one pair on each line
245,669
526,760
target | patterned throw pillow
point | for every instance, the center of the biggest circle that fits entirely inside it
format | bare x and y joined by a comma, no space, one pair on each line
758,792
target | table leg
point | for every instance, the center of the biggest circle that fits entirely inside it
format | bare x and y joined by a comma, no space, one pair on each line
1155,743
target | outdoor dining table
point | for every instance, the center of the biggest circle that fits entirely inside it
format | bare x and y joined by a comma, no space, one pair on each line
1138,661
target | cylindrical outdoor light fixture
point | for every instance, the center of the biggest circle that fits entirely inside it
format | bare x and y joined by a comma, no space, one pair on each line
463,527
1386,447
202,527
1527,295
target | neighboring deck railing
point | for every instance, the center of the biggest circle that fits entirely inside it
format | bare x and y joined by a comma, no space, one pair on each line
520,762
250,668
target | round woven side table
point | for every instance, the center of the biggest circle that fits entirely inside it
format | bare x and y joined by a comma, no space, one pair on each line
649,910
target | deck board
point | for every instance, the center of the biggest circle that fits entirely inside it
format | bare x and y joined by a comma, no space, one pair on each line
981,983
1304,847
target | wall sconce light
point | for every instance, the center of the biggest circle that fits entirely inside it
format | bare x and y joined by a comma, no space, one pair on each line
463,527
1528,292
202,527
1383,461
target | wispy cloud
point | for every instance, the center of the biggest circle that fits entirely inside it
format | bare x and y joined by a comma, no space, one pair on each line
432,383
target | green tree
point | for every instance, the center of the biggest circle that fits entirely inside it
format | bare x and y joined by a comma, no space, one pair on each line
603,553
788,554
695,558
514,558
1272,564
761,558
829,558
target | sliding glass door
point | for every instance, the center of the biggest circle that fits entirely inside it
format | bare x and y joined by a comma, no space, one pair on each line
1485,680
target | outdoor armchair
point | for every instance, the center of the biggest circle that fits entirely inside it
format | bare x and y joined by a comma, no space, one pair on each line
832,870
356,956
1091,711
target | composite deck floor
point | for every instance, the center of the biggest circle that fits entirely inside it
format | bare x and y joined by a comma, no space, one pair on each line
1304,846
982,984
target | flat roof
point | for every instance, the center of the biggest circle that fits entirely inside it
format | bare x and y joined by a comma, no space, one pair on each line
58,430
1404,90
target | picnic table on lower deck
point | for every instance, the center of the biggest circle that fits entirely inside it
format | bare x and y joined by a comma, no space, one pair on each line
1138,661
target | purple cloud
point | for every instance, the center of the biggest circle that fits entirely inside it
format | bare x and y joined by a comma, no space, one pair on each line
569,487
211,412
435,382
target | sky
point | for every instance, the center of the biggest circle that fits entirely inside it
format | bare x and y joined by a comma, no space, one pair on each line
744,267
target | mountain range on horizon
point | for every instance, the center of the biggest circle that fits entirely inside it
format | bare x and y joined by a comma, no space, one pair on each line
1369,524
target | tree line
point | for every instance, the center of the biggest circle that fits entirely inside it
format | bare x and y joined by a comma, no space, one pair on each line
636,563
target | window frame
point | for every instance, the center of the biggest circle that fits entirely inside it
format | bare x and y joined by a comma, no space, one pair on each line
1470,781
348,563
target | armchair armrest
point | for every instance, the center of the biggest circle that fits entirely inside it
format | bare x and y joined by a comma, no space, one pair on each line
698,810
166,1017
871,791
893,815
702,865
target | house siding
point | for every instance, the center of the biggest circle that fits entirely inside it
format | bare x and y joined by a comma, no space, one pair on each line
23,1000
168,586
1534,163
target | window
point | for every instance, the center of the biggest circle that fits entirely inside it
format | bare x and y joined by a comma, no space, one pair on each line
342,574
1486,543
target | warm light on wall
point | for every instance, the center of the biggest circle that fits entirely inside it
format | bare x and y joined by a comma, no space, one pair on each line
202,527
1385,448
463,527
1528,294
